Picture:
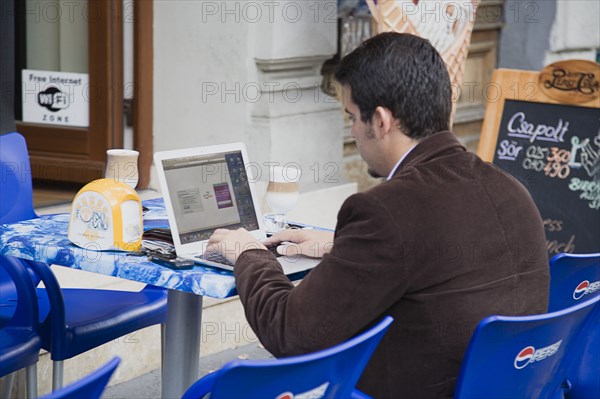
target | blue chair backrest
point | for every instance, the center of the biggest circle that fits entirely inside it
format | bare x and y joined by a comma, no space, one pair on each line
89,387
332,372
573,278
16,194
584,365
16,201
523,356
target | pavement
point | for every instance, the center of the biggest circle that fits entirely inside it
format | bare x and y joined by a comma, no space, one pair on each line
148,385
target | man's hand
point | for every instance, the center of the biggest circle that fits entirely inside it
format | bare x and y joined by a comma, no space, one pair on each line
312,243
231,243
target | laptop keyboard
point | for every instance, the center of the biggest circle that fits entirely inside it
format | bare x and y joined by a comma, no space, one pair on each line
218,258
215,257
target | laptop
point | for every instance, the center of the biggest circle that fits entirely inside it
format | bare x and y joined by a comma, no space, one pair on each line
206,188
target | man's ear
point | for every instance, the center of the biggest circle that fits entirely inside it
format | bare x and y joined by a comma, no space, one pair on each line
383,121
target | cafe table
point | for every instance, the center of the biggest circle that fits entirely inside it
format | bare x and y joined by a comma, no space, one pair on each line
45,240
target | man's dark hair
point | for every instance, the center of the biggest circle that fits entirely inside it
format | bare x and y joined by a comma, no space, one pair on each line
403,73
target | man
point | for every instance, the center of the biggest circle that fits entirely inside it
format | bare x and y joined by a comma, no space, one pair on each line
446,241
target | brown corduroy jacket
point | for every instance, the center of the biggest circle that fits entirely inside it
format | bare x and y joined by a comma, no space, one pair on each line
446,242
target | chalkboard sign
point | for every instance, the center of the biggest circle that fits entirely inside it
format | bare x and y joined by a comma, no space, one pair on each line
552,148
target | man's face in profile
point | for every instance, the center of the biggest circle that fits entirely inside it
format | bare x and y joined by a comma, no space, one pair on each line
362,132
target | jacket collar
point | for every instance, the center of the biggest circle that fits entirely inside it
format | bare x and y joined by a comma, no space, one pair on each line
431,147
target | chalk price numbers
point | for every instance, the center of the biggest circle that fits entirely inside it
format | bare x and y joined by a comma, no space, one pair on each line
558,163
553,161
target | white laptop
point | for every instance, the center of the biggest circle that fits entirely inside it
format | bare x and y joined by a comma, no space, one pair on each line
207,188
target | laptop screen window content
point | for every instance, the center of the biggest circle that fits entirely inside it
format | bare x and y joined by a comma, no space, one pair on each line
209,192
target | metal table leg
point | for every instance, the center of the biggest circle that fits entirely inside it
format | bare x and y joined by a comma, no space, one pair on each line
182,343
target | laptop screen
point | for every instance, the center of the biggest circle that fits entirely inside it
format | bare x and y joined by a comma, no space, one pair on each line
209,192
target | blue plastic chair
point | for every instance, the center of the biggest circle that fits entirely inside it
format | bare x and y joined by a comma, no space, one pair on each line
8,295
73,321
20,342
90,387
574,278
16,203
524,356
333,371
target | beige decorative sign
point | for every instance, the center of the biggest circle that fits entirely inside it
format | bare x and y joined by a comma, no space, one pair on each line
447,24
573,81
566,83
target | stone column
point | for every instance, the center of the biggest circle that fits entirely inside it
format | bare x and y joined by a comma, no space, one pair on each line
291,119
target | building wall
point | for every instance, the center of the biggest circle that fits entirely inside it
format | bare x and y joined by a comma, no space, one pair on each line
537,33
248,71
525,36
191,55
576,31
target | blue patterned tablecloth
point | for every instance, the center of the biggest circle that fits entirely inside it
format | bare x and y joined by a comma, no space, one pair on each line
45,240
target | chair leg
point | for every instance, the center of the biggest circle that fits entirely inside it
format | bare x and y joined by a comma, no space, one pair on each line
7,383
162,345
58,368
32,381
